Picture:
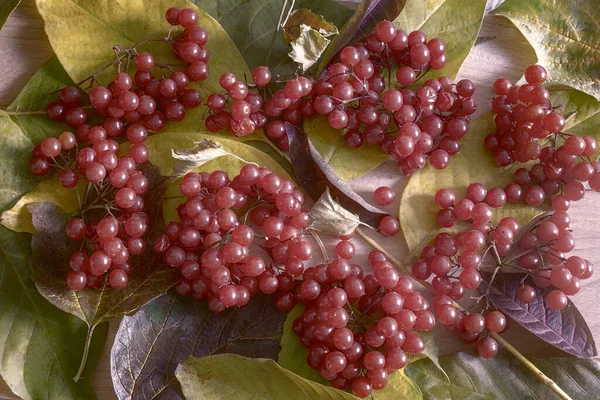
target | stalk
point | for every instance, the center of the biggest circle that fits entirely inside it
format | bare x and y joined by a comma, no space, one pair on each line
511,349
86,351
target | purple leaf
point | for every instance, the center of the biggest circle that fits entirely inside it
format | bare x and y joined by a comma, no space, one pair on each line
49,262
565,329
367,15
168,330
315,175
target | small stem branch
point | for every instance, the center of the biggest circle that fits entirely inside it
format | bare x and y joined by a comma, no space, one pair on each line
84,357
376,246
511,349
264,137
321,245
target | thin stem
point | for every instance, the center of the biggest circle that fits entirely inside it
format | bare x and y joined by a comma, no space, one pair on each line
264,137
376,246
511,349
283,7
84,357
321,245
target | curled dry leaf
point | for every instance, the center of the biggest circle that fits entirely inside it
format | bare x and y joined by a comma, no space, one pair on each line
565,329
202,152
330,218
292,28
309,46
315,176
176,328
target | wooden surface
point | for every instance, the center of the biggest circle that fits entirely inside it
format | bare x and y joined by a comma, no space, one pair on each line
24,48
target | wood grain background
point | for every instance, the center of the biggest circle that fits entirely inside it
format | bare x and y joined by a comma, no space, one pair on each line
24,47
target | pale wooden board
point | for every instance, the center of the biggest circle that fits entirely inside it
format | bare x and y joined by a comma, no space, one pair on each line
24,48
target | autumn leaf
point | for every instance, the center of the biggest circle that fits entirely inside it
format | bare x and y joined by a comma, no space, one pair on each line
475,164
226,376
565,35
176,328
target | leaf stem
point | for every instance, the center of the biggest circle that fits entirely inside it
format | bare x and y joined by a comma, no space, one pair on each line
539,374
264,137
86,351
511,349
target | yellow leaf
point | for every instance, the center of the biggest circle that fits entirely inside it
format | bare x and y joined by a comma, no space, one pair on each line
160,147
347,163
418,211
18,218
82,34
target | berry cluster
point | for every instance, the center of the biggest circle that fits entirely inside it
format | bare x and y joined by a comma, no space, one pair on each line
359,95
111,223
529,129
216,251
359,327
245,114
453,262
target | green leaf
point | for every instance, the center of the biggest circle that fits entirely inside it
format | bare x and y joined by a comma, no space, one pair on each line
347,163
565,35
293,355
456,22
473,377
6,8
40,346
85,43
366,16
399,386
235,377
23,125
252,26
18,218
473,164
28,110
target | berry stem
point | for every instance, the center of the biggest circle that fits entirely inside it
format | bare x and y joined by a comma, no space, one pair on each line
511,349
320,243
84,357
